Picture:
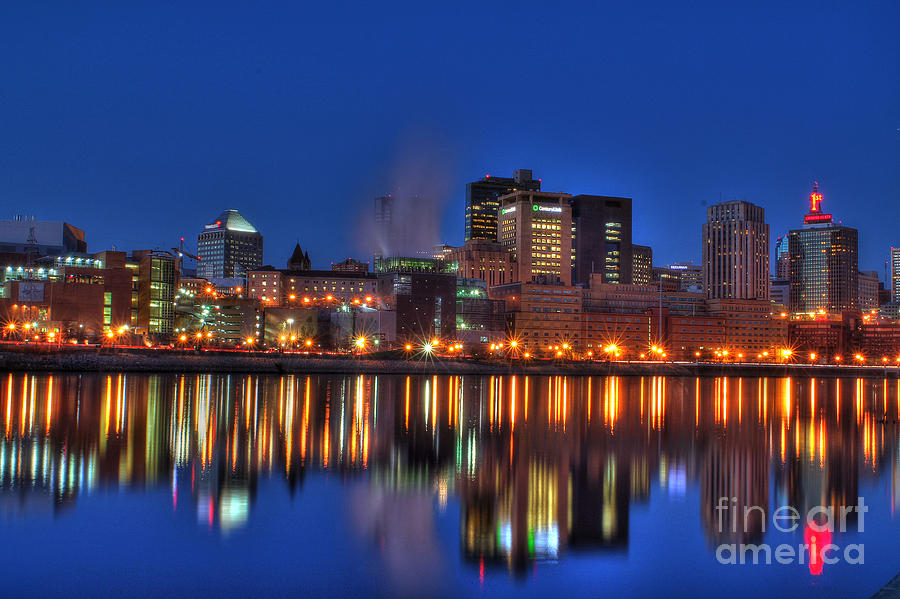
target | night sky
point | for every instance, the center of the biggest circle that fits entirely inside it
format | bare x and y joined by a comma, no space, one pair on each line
140,124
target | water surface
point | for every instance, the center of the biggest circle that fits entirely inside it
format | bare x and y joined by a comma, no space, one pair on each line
221,485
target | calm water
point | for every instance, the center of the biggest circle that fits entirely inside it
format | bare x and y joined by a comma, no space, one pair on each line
441,486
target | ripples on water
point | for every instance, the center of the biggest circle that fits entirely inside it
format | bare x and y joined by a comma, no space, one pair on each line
445,485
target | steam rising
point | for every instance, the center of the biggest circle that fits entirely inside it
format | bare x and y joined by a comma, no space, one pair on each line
419,189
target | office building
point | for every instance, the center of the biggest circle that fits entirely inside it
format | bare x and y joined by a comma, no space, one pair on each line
425,304
679,276
536,228
478,318
736,251
403,226
229,247
601,239
25,235
782,258
82,297
540,314
824,263
869,286
895,274
483,201
385,230
157,279
641,264
482,259
276,287
780,291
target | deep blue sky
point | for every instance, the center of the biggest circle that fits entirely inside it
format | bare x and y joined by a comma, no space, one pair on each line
140,124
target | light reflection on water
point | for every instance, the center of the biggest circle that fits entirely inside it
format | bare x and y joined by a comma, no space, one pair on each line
483,481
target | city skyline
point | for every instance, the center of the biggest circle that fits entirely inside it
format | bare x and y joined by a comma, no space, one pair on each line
250,123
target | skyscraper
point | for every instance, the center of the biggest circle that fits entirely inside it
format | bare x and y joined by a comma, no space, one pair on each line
228,248
602,238
536,227
483,201
641,264
736,251
824,263
782,258
895,274
384,225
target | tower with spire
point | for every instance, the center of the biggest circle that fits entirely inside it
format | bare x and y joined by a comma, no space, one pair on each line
299,260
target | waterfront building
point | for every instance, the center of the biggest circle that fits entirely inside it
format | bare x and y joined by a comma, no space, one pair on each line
601,244
80,296
483,201
424,302
25,235
156,283
274,287
750,326
536,228
479,319
483,259
541,315
736,251
229,247
824,263
641,264
223,321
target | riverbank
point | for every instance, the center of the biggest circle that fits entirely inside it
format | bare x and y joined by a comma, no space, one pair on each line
64,359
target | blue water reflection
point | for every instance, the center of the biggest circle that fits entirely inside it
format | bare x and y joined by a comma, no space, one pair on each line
440,486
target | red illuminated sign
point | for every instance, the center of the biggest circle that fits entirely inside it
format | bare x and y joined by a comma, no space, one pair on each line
817,218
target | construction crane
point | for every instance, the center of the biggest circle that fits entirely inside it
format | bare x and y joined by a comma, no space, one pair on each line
179,251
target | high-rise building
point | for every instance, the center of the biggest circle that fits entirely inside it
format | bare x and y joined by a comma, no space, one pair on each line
384,225
641,264
895,274
782,258
868,289
228,248
736,251
483,201
601,239
824,263
536,227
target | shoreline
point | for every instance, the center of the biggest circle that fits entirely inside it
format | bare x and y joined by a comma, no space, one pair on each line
42,359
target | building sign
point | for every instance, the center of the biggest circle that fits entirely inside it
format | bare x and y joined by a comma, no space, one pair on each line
508,210
537,208
31,291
